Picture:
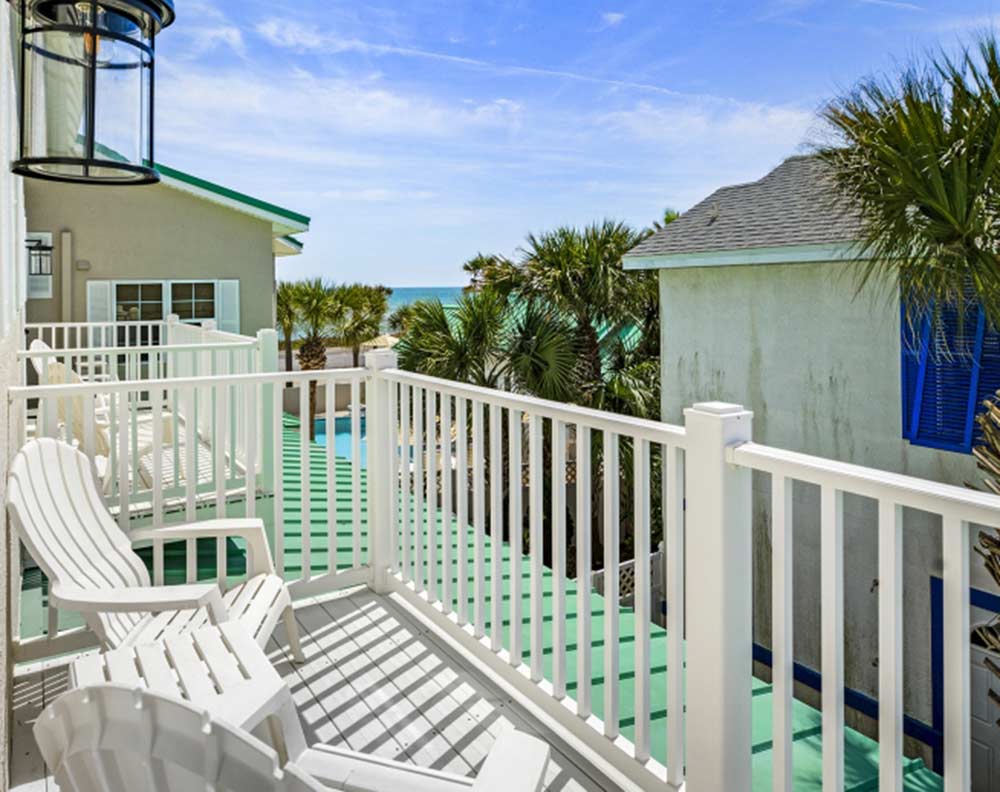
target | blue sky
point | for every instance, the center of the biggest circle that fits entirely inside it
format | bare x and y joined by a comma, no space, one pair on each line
417,133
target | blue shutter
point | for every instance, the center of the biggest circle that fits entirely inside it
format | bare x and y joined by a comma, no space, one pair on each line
943,379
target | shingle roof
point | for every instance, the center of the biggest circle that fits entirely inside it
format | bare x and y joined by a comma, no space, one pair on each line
795,204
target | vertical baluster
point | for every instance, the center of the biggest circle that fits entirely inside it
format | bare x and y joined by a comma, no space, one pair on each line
890,646
496,529
124,413
640,463
584,582
278,464
957,703
89,426
190,399
446,532
536,545
219,444
156,402
611,563
157,562
418,490
781,627
832,630
516,534
330,410
558,559
405,476
232,396
478,522
430,405
394,441
251,426
305,466
356,472
462,507
52,620
673,507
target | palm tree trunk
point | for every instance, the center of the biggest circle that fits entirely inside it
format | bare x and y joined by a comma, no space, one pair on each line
356,351
289,360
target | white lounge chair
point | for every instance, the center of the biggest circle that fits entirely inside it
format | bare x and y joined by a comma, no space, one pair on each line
112,738
59,514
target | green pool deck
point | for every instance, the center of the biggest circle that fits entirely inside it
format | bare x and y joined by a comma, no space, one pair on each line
861,752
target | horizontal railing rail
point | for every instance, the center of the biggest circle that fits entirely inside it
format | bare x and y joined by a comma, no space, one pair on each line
474,546
958,509
74,335
173,450
486,514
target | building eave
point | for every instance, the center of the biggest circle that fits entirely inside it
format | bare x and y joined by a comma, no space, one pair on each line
785,254
283,221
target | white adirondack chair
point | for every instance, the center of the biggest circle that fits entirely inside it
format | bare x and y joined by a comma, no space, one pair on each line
112,738
59,514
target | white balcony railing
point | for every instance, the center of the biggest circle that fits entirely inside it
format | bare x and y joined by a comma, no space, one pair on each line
460,509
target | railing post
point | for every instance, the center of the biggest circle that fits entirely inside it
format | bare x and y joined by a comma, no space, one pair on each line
719,595
172,321
267,363
378,422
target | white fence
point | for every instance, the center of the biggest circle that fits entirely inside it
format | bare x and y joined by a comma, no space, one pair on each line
78,335
448,531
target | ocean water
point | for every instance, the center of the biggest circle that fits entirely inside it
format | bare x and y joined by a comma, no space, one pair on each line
404,295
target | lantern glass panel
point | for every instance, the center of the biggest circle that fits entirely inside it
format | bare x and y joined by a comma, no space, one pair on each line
56,102
121,110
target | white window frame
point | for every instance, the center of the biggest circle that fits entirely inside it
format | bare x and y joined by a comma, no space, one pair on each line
167,293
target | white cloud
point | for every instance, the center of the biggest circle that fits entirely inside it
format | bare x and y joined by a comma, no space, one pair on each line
894,4
611,19
712,123
305,107
292,35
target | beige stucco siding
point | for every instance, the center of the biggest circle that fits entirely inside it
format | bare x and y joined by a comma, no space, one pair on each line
819,365
152,232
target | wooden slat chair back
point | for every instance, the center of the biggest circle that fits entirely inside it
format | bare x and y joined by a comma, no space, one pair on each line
60,516
57,510
111,738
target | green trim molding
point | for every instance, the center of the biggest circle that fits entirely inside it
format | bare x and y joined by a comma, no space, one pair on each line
785,254
285,220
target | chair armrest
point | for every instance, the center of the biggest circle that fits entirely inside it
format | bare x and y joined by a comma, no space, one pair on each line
249,529
133,599
516,761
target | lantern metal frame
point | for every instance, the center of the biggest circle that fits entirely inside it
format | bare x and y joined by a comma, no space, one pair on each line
161,14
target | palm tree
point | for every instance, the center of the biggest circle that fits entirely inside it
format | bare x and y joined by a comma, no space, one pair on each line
361,320
399,320
317,310
579,272
919,156
669,215
285,317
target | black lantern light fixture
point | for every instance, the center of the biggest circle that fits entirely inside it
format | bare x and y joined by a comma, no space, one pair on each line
86,85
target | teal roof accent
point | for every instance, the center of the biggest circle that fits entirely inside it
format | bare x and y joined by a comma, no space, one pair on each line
232,195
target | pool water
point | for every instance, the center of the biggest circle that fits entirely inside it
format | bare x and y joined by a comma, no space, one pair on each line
342,437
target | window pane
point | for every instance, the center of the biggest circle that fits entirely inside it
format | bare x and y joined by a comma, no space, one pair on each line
204,310
183,310
181,291
151,311
152,291
127,292
204,291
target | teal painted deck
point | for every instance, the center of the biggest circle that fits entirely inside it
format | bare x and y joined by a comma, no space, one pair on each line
861,771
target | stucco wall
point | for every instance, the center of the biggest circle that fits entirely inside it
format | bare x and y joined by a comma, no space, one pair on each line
819,364
11,293
151,232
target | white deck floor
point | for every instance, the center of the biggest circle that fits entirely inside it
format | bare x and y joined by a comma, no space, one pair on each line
374,680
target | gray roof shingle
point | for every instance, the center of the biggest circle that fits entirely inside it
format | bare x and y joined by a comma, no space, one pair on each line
795,204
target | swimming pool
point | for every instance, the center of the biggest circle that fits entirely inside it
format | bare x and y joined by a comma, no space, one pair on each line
342,437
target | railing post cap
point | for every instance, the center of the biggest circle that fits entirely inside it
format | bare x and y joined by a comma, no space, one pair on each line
173,319
718,408
379,359
208,324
